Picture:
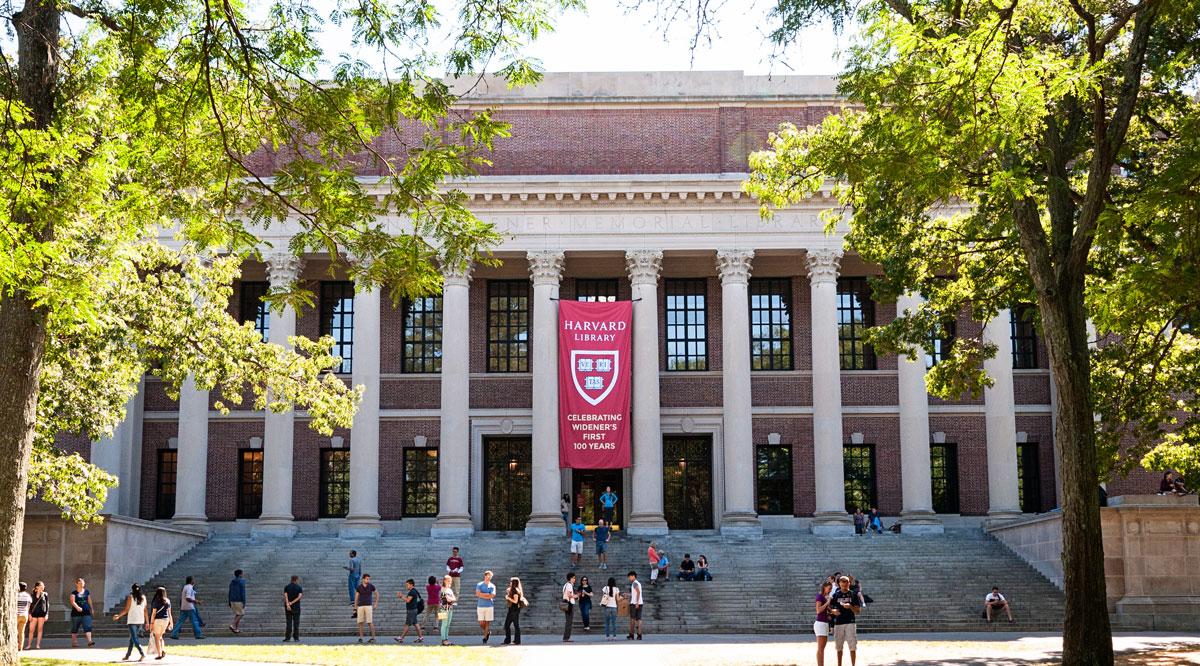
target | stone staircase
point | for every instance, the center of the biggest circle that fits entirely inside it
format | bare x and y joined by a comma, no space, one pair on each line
933,583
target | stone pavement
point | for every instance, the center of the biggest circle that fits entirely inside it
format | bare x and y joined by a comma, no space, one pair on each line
946,649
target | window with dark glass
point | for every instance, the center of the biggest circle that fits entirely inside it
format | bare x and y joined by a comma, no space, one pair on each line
334,495
164,495
508,326
422,349
774,471
859,470
1024,338
507,483
943,473
596,291
252,307
856,313
337,320
942,341
1029,478
770,324
687,482
420,482
687,324
250,483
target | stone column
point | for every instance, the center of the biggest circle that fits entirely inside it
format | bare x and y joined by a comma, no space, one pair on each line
545,267
1001,422
646,514
283,269
829,476
917,513
740,517
192,477
363,518
113,455
454,448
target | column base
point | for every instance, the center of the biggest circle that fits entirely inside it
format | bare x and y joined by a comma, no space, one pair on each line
920,522
274,527
741,525
545,524
448,526
832,523
1001,517
197,523
647,524
361,527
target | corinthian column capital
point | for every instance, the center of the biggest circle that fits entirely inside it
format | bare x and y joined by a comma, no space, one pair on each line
734,265
545,266
823,264
643,266
283,268
457,274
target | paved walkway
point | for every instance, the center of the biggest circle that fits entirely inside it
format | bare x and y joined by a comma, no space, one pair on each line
950,649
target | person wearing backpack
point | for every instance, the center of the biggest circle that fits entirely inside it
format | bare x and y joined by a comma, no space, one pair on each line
515,597
608,603
414,605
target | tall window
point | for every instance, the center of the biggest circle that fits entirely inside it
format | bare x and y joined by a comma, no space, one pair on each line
942,341
164,495
1029,478
856,313
596,291
774,472
770,324
422,350
1024,338
420,482
859,469
337,320
687,324
943,469
252,307
334,494
508,326
250,483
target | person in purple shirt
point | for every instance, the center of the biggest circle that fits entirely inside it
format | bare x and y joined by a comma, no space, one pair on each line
821,625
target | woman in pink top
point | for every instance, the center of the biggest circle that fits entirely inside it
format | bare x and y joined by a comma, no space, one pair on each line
652,553
433,592
821,625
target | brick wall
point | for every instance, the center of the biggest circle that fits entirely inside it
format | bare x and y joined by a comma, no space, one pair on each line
155,435
306,468
1039,428
797,433
969,432
884,434
394,437
225,439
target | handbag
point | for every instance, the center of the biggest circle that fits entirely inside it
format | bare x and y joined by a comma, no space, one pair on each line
442,615
564,606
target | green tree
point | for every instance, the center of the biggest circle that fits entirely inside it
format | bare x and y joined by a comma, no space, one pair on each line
143,144
1040,151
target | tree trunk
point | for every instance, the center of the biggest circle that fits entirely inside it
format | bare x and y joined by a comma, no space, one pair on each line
22,326
1087,636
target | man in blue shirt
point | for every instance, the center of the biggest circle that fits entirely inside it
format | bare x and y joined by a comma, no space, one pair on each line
608,500
602,534
237,600
485,604
354,566
578,529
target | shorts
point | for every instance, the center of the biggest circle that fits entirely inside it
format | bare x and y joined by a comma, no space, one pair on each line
635,612
601,547
22,620
238,608
654,571
820,628
485,613
160,626
410,617
366,614
577,548
81,622
845,634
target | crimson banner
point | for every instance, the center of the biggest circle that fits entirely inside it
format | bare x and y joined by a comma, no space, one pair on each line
594,384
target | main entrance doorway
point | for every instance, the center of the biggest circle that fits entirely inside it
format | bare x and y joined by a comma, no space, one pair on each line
587,485
687,482
508,488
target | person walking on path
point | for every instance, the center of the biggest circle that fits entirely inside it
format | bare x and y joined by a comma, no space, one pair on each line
569,598
81,613
585,603
821,624
448,600
161,620
413,605
515,599
365,601
652,555
608,605
39,610
485,604
187,610
602,534
635,606
578,530
135,612
454,567
844,605
292,594
354,577
24,601
608,502
237,601
433,592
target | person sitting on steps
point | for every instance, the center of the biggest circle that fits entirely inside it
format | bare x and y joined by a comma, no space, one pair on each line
995,601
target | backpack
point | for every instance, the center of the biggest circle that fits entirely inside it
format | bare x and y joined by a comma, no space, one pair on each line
420,601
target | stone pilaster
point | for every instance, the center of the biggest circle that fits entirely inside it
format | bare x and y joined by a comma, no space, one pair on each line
740,517
545,268
191,483
646,515
454,452
917,513
363,518
1001,422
